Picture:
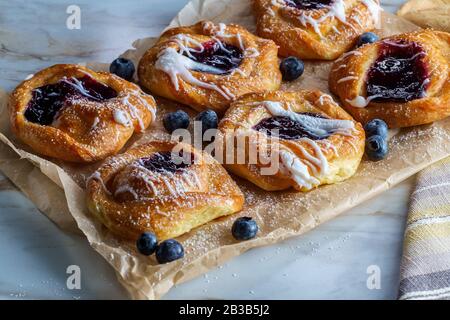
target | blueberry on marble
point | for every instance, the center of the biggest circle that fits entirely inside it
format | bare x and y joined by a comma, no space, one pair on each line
176,120
376,127
376,147
123,68
291,68
169,250
208,119
367,37
147,243
244,228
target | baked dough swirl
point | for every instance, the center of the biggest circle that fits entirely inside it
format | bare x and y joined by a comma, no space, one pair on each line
302,140
403,79
208,65
72,113
315,29
164,187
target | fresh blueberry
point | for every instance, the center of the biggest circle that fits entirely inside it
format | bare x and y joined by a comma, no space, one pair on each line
376,127
147,243
368,37
176,120
209,120
244,228
122,67
291,68
169,250
376,147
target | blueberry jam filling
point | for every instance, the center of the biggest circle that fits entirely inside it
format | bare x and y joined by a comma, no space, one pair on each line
47,100
399,74
222,56
167,162
309,4
288,129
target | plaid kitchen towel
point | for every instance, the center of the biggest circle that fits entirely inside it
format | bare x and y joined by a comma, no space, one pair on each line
425,268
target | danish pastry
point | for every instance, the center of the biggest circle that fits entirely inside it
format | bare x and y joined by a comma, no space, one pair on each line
75,114
164,187
208,66
403,79
315,29
301,139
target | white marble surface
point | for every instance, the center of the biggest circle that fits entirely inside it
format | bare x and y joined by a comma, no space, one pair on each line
329,262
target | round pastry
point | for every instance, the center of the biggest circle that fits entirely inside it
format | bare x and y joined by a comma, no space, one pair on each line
278,140
164,187
208,66
315,29
75,114
403,79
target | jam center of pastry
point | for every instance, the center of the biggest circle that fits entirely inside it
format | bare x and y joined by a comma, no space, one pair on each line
167,161
309,4
399,74
285,128
47,100
220,55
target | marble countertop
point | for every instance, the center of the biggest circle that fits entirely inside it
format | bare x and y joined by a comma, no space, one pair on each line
333,261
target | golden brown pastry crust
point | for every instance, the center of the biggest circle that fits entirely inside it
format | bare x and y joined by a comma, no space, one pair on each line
314,34
84,131
258,70
433,107
337,160
130,199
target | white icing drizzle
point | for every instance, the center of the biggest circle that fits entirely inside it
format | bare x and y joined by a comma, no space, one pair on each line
252,53
121,117
221,33
340,67
96,176
184,43
134,112
299,168
95,123
154,181
358,21
361,102
335,29
176,65
336,10
125,188
237,70
315,125
349,78
79,87
329,145
374,10
321,98
345,55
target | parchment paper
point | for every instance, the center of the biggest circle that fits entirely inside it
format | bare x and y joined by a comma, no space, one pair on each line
57,188
427,13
